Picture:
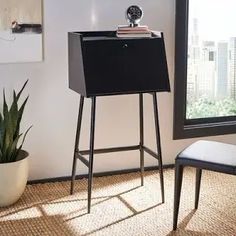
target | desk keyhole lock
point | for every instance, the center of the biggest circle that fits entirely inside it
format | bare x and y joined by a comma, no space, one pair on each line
125,45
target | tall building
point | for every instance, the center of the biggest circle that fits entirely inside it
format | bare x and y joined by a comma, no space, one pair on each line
232,67
207,71
222,70
193,60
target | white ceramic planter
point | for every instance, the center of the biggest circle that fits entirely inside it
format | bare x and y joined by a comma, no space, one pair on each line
13,179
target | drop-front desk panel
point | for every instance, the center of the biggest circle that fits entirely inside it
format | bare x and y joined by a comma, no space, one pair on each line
102,64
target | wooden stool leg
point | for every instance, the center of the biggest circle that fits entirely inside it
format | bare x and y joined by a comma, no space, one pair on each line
158,141
76,143
92,132
198,184
178,185
141,137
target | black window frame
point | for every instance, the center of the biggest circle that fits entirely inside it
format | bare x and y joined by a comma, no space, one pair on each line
189,128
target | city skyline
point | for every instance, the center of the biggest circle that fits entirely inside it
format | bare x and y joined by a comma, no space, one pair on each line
211,71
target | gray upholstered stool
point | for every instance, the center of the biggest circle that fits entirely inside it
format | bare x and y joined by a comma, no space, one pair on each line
209,155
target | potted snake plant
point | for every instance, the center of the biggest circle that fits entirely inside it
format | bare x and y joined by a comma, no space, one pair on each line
13,159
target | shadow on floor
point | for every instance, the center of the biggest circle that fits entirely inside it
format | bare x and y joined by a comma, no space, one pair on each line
181,231
35,226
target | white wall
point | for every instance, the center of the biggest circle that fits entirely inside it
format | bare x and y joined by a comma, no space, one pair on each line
52,108
25,47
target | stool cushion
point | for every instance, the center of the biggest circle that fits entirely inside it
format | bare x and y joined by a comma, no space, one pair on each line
211,151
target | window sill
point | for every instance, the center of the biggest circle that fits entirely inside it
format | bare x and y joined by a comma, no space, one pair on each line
203,130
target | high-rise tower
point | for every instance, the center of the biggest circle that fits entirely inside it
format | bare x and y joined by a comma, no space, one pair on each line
222,70
232,67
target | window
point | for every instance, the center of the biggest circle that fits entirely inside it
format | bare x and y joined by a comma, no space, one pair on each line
205,68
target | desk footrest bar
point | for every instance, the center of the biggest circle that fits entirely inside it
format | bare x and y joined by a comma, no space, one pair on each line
150,152
82,159
113,149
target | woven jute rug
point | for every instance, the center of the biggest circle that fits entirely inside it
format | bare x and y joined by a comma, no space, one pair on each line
121,207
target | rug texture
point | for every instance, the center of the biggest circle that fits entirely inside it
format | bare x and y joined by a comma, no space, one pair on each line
120,206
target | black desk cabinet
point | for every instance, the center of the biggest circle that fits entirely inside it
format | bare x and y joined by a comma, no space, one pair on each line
102,64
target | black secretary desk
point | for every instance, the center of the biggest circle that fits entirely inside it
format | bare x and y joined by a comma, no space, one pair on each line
101,64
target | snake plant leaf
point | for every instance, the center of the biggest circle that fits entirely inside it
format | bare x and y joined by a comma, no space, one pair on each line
18,95
1,130
5,107
14,112
1,135
10,120
8,136
7,120
9,125
23,140
21,110
6,142
20,113
14,148
0,155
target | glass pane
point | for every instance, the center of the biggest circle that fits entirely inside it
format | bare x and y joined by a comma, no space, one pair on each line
211,74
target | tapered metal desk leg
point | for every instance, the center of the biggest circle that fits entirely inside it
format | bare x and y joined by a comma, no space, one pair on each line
81,105
91,153
141,143
158,141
